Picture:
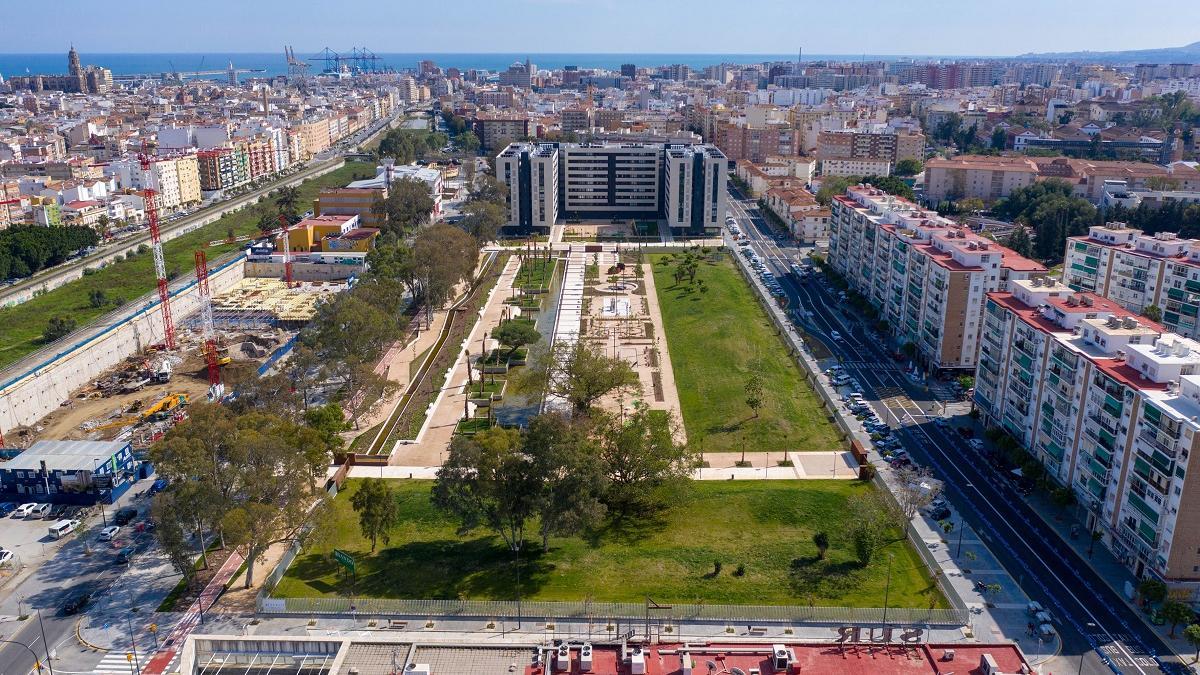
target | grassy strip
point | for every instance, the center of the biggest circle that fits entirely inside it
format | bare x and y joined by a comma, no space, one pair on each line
718,338
765,526
133,277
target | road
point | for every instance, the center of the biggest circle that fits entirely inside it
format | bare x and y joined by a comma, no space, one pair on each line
1096,626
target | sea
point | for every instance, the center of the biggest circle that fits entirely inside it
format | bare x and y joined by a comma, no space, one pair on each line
275,63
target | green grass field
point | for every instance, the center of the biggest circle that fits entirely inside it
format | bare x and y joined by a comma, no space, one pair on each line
131,278
719,338
765,525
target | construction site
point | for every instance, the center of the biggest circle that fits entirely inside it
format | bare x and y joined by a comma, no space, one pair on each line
133,380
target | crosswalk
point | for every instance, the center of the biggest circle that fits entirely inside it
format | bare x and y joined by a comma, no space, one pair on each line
118,661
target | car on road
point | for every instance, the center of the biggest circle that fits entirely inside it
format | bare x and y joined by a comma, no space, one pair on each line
75,603
975,444
941,423
124,515
743,243
939,512
835,336
109,533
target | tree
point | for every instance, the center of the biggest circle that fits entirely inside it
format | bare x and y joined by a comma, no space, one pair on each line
251,473
329,421
578,373
407,205
908,167
361,387
1019,241
831,186
572,492
58,327
515,334
443,257
1152,591
489,481
1176,613
1053,211
821,540
754,394
970,205
872,518
487,188
642,460
999,138
467,142
266,218
915,488
97,298
378,509
1152,312
483,220
1163,183
287,199
1192,635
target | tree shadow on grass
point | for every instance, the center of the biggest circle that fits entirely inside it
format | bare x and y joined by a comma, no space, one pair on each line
628,528
480,568
811,576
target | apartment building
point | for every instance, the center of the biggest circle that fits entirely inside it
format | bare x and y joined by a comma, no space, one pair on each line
757,143
351,202
1137,270
495,130
856,167
850,144
806,219
223,168
986,178
683,184
1109,403
926,275
694,181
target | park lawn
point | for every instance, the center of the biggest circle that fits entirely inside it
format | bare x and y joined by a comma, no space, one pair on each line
765,525
535,272
717,339
130,279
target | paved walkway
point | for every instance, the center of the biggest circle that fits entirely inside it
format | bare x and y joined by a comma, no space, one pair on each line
450,405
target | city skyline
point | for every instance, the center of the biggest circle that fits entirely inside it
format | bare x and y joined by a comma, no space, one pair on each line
703,26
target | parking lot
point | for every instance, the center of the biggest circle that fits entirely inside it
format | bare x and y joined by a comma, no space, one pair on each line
30,541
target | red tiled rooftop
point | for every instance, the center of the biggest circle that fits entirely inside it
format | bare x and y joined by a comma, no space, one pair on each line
825,659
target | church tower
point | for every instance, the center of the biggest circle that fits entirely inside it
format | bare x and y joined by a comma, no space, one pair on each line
73,66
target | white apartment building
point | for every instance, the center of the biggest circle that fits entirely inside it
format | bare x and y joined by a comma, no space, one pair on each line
856,167
531,173
926,275
1109,403
1137,270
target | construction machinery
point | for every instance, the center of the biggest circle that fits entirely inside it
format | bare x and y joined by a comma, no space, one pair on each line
161,408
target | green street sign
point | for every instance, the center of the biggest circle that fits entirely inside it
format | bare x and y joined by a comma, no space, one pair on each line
343,558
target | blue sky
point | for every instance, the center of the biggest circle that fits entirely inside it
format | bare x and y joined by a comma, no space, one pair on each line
983,27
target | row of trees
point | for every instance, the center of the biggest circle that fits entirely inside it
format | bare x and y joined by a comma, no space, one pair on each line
460,132
28,249
408,145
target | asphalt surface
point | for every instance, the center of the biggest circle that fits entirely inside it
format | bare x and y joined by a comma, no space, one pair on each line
1100,633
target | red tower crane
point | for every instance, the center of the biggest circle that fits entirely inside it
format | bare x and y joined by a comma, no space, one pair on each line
160,266
287,250
206,320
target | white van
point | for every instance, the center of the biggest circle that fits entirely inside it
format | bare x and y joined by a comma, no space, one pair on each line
39,511
62,528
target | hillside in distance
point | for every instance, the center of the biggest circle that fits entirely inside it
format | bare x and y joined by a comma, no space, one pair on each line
1185,54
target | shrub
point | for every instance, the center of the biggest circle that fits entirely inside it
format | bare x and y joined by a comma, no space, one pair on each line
740,571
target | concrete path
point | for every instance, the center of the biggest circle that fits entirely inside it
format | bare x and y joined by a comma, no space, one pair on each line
449,407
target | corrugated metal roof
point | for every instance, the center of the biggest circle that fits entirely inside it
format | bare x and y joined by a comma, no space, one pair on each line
63,455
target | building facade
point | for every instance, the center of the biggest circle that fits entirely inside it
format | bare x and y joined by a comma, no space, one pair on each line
1108,402
926,275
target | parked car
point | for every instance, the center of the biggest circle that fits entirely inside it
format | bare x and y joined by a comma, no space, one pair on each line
109,533
6,556
23,510
39,510
835,336
975,444
56,512
939,512
124,516
76,603
7,508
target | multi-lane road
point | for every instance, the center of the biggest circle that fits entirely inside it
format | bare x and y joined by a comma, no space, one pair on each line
1100,633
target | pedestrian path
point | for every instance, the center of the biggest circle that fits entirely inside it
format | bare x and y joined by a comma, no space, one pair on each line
122,662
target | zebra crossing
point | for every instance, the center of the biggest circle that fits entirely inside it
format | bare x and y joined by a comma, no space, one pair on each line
873,366
119,661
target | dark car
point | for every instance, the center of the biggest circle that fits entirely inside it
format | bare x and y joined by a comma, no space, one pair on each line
76,603
939,513
124,516
7,508
56,513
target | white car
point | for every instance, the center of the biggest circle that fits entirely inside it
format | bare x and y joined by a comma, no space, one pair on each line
6,556
24,510
109,533
836,336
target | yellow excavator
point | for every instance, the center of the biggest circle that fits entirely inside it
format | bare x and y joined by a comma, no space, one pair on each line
165,405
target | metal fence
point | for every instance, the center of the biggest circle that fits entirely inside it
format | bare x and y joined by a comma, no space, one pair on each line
593,611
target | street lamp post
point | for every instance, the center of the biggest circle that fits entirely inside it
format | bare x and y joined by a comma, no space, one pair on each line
95,469
133,645
45,644
887,589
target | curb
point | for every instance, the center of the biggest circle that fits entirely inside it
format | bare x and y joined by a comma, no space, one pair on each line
85,643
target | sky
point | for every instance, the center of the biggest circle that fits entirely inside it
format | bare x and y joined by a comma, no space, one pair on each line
893,27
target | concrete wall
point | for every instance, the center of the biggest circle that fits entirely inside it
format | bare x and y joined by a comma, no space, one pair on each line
41,383
305,271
